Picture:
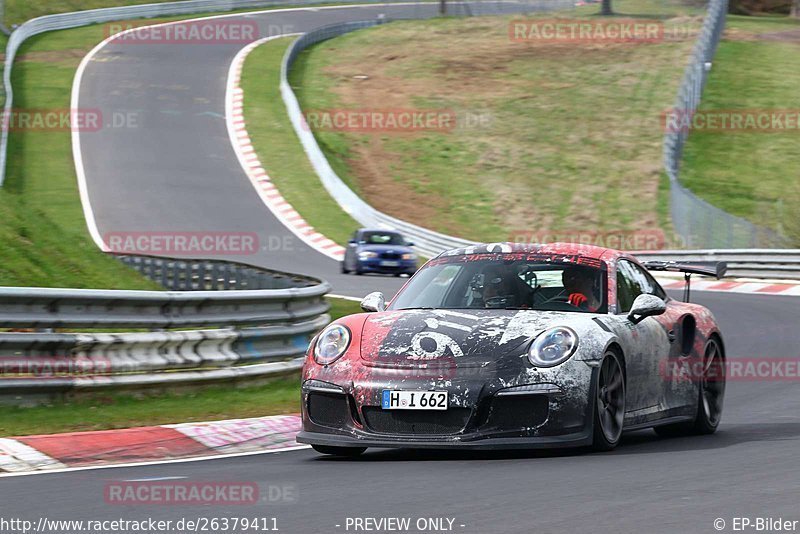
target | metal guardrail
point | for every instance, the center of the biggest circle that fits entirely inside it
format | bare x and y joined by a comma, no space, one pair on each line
699,223
745,263
266,321
427,242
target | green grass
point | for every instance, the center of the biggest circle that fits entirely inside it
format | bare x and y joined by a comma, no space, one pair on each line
116,410
279,149
751,174
342,307
573,142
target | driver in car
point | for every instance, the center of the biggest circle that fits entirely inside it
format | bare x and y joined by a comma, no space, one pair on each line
579,284
495,290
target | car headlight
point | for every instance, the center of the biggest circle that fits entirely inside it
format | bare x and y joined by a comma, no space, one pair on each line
409,256
553,347
367,255
331,344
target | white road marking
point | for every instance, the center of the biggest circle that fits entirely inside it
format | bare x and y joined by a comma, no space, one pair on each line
154,462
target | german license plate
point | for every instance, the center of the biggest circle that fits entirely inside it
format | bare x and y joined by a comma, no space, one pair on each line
386,263
414,400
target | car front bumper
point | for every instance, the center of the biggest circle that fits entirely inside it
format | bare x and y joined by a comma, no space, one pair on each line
482,413
374,266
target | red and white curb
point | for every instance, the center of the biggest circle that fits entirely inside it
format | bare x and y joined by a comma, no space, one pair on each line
242,145
747,286
148,444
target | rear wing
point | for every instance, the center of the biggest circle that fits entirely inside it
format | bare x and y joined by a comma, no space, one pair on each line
717,269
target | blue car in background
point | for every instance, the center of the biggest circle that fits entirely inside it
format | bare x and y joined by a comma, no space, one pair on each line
379,251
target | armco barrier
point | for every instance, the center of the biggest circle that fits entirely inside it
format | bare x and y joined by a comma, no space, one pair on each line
263,323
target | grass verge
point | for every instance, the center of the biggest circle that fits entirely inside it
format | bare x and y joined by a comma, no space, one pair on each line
279,149
116,410
551,138
751,174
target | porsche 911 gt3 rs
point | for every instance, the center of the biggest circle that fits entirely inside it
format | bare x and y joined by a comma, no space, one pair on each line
516,346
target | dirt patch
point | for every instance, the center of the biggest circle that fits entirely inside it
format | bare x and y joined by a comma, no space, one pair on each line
373,166
788,36
52,56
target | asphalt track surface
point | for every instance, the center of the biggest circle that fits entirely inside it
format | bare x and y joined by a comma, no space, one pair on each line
748,468
178,173
172,168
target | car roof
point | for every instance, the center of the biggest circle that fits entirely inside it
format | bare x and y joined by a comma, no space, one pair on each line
379,230
576,249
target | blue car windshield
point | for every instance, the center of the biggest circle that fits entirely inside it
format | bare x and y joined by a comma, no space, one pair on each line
382,238
508,281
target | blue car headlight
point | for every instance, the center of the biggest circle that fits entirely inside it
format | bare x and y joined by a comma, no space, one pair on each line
331,344
553,346
410,256
367,255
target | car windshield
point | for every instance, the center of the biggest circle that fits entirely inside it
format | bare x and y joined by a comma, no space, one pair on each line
508,281
382,238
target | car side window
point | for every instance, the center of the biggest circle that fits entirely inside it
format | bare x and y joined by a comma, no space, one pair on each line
627,288
648,283
633,281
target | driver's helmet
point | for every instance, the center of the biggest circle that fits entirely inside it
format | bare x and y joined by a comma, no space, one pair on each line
491,285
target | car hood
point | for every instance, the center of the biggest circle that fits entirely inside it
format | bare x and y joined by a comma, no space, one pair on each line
451,337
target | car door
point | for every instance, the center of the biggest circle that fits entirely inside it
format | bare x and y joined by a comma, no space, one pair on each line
647,350
679,394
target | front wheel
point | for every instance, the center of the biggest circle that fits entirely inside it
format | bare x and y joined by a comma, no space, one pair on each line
609,403
349,452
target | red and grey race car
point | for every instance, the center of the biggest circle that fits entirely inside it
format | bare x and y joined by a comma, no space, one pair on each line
516,346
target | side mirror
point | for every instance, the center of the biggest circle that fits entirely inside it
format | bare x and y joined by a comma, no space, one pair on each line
409,243
352,242
646,306
374,302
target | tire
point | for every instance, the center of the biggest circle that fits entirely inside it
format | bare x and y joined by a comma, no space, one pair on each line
710,396
344,269
349,452
609,403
